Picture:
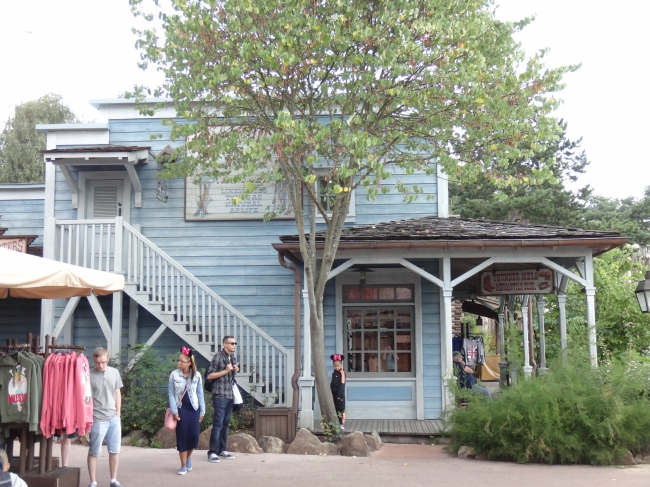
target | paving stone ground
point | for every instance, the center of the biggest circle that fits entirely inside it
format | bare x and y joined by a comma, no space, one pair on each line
394,464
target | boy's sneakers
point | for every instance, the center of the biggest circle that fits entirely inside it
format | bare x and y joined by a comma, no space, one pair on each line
182,471
342,427
115,483
188,464
226,456
213,457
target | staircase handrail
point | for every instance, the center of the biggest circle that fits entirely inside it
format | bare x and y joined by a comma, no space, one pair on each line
199,284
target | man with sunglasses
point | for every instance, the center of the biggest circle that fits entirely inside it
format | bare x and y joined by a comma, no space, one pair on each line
221,372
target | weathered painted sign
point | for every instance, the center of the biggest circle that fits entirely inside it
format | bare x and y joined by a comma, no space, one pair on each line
211,200
517,281
19,244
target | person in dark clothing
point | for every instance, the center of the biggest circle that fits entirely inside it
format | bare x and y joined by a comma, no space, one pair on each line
466,376
338,387
221,372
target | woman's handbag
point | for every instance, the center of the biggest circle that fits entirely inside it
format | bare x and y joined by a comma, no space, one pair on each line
170,420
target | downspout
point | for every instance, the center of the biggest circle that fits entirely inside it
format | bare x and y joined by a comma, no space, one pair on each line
296,293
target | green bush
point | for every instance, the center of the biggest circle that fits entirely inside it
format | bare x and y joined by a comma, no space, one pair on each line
573,414
144,395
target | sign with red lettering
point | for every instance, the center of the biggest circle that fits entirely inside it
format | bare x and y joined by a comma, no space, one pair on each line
18,244
518,281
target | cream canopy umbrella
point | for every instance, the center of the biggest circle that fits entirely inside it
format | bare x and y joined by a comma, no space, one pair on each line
28,276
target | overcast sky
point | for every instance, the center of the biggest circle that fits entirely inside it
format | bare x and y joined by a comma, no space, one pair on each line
84,49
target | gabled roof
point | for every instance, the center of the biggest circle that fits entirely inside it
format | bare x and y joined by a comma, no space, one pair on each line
105,148
435,228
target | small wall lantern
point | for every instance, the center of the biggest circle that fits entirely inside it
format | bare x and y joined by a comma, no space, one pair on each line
643,293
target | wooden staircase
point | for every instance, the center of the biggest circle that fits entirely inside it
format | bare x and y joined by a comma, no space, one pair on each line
181,302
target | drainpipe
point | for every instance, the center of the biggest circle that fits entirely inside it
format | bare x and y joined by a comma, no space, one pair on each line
296,328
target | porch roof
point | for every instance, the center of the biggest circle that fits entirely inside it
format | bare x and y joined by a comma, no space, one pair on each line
436,232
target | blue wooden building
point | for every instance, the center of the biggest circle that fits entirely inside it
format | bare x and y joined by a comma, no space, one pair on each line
197,269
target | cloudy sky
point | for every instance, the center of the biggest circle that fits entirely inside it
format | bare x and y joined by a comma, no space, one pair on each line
84,49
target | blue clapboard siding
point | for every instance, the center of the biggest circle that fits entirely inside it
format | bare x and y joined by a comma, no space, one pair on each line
23,217
18,317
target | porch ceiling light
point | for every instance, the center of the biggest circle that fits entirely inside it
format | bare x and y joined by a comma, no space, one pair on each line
362,274
643,293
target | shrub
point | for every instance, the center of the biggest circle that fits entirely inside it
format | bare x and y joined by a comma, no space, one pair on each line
573,414
144,395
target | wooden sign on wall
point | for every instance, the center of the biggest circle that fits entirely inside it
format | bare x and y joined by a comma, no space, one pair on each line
19,244
517,281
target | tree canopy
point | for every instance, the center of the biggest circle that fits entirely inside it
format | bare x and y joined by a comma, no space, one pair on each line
363,90
21,160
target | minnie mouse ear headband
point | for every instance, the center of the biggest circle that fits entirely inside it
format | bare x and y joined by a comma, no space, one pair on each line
186,351
337,356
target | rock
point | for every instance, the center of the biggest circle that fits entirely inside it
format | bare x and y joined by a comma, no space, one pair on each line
166,438
374,441
204,440
354,445
142,442
482,456
465,452
329,449
242,443
646,459
305,444
628,459
126,441
638,459
136,435
85,440
271,444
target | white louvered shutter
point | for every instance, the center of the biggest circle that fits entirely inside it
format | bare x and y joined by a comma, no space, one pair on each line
105,202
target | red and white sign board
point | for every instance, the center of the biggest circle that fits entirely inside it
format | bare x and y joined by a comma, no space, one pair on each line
19,244
519,281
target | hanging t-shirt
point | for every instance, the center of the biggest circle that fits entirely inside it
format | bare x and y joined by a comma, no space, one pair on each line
470,346
83,399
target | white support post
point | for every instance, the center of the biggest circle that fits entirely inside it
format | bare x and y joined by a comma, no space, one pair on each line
306,381
49,238
590,290
542,335
561,304
116,329
446,353
65,317
502,344
525,302
119,245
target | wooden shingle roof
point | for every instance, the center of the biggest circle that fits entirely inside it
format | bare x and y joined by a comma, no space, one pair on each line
434,228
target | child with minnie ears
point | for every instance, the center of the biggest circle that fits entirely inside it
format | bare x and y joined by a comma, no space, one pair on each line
338,387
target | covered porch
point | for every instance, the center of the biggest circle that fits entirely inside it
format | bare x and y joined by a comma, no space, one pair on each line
445,260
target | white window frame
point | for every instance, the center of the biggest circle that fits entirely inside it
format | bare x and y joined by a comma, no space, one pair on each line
352,214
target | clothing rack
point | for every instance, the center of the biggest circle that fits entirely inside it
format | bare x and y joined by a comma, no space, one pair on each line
45,458
27,438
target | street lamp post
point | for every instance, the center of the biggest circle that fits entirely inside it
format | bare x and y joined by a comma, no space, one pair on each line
643,293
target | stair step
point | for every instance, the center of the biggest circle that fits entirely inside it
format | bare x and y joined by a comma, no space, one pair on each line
155,302
173,313
184,323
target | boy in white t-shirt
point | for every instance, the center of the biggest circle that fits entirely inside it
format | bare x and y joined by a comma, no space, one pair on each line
6,478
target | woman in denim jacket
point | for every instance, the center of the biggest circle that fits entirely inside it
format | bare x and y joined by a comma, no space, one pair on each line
187,405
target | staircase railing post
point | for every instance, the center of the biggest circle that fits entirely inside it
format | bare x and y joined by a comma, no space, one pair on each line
119,244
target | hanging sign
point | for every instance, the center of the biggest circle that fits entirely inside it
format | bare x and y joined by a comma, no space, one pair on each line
19,244
517,281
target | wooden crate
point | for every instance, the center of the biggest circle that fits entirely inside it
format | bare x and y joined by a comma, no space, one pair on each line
278,422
